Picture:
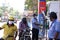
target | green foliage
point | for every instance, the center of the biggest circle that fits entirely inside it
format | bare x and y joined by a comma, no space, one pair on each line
47,0
29,3
19,17
10,11
0,14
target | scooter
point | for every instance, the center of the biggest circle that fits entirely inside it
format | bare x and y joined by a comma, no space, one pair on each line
26,34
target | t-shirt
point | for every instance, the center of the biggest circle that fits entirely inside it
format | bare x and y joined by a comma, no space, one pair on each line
34,25
55,27
9,30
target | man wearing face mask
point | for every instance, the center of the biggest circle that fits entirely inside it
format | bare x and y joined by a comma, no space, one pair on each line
35,27
10,30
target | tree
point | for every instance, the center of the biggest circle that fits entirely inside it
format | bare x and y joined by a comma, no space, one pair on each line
47,0
1,11
32,5
29,3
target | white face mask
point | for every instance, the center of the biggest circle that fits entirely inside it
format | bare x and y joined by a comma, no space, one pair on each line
10,22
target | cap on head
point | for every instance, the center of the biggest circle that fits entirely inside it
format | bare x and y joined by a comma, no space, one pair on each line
11,18
53,15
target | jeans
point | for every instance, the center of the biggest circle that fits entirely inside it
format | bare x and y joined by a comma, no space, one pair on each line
1,39
35,33
50,39
54,39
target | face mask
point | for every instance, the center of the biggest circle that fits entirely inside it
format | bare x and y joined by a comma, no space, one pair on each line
35,16
10,22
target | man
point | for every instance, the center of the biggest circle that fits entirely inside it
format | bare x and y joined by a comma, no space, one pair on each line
35,27
22,26
10,30
54,30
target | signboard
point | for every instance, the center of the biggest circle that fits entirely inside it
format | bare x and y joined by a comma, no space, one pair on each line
41,6
54,6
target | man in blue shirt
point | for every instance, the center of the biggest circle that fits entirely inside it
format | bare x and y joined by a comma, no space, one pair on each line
35,27
54,30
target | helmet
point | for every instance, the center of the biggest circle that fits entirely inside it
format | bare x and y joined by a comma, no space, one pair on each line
11,18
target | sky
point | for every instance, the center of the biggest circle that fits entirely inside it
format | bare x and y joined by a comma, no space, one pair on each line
16,4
